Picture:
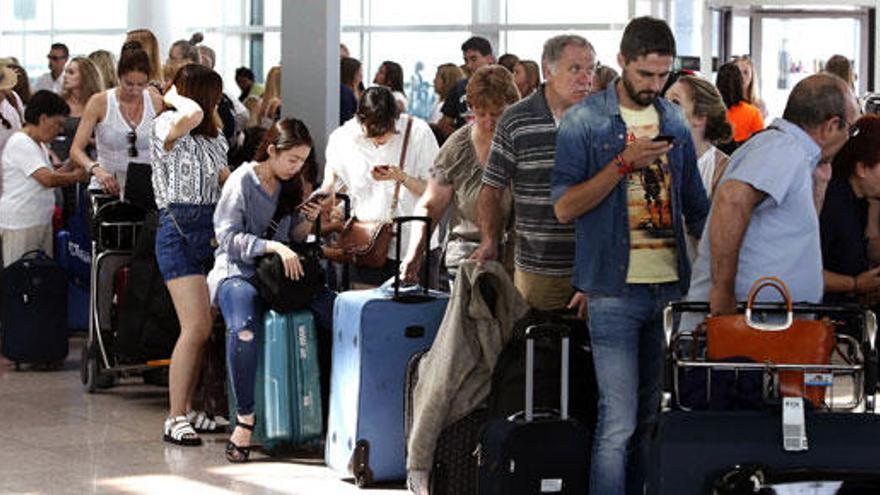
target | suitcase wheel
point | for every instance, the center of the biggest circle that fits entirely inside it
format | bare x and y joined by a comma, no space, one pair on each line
90,370
360,464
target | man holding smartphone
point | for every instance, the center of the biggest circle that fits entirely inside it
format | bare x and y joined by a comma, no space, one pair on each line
626,173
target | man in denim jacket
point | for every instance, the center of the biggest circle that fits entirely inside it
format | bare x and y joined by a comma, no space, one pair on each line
631,196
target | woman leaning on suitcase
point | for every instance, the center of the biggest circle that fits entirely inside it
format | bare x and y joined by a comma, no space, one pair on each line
189,164
250,199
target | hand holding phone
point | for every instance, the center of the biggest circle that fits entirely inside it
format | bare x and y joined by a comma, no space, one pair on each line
668,138
316,197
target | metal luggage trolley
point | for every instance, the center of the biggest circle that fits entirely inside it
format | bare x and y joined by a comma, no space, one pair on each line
849,381
116,227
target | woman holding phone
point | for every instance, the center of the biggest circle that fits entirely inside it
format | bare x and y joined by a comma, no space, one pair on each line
251,197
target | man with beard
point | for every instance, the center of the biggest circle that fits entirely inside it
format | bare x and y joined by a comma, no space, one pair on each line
609,148
522,157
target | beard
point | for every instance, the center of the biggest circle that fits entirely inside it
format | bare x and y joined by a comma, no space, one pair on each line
643,98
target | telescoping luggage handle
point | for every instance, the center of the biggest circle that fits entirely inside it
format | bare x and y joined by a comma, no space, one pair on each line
541,331
426,268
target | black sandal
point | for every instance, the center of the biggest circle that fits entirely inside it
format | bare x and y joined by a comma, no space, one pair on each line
235,453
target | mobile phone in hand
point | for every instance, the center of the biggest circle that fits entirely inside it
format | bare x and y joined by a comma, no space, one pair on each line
381,168
667,138
315,197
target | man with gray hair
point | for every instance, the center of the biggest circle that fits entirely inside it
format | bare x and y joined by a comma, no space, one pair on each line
764,219
522,156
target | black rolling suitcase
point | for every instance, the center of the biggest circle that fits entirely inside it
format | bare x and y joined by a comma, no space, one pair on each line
529,453
33,310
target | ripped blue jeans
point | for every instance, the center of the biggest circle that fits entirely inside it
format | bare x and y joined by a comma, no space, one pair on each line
243,312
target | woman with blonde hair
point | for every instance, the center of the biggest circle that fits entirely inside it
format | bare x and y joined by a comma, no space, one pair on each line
106,64
446,78
82,79
458,172
270,106
750,83
527,76
149,44
706,116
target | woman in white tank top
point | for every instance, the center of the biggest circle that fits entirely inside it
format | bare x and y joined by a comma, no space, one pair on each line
121,120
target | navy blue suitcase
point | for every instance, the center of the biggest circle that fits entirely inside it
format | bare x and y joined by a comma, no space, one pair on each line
33,310
536,453
376,332
72,257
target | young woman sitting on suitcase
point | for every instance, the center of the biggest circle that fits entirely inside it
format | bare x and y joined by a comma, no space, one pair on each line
251,197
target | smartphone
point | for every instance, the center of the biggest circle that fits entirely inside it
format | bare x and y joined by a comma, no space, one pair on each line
381,168
664,137
315,197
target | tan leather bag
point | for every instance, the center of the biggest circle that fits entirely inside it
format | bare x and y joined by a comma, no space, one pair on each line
364,243
793,342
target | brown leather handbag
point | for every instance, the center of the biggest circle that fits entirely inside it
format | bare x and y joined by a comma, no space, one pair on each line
366,243
806,342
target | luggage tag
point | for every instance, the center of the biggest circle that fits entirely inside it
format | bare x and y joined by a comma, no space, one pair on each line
794,428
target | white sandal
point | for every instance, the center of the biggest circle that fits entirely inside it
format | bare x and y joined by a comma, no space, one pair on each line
201,422
179,431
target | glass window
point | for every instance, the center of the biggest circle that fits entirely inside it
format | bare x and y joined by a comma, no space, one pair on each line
272,12
31,51
81,14
199,13
271,52
742,35
31,14
565,11
528,45
84,44
353,42
407,12
350,12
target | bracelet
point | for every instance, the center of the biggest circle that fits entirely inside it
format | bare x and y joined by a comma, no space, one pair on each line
92,167
403,181
623,168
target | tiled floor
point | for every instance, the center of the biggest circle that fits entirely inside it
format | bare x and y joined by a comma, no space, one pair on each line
56,439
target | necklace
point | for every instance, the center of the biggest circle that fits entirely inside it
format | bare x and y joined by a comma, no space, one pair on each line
131,113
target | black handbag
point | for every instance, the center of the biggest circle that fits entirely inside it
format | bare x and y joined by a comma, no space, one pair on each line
281,293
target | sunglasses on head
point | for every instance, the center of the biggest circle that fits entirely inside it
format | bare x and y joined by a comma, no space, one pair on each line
132,140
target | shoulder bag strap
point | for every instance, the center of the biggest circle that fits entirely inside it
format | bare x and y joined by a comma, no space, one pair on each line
402,161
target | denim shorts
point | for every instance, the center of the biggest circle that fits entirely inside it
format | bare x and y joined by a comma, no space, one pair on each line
184,240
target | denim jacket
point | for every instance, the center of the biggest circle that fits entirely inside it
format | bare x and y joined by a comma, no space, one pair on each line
590,135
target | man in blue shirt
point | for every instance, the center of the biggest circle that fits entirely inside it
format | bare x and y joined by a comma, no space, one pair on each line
764,218
626,172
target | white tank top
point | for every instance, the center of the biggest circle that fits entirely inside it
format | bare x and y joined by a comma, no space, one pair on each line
111,136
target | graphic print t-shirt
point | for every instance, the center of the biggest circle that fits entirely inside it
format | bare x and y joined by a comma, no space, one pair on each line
652,256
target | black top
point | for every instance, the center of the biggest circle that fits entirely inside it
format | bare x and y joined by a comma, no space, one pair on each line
455,107
347,104
842,228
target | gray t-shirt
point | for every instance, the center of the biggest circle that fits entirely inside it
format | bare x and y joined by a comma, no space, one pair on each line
457,165
782,239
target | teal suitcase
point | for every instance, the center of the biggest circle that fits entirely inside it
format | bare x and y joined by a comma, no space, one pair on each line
288,388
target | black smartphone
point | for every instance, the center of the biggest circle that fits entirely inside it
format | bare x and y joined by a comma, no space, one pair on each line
664,137
315,197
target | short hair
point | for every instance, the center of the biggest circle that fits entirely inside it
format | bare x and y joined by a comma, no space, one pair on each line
554,47
106,64
378,111
508,61
62,47
348,69
477,44
730,84
90,79
816,99
133,59
449,74
603,77
708,103
644,36
205,87
245,72
46,103
841,67
863,147
207,56
491,86
187,49
393,75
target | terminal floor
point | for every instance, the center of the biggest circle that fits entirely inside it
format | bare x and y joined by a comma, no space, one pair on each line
56,439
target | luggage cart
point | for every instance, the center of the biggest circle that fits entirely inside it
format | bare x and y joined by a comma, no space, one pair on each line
116,227
849,380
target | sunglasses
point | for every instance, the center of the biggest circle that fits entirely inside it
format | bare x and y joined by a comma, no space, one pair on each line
132,140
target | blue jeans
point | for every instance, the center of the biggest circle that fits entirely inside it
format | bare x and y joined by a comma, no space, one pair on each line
243,311
626,334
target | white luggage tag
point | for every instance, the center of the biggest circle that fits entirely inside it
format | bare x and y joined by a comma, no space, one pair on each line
794,428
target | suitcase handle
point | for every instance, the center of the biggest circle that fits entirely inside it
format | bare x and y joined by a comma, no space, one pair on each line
34,254
426,268
541,331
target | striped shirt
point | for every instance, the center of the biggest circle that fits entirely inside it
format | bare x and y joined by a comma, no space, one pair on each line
523,154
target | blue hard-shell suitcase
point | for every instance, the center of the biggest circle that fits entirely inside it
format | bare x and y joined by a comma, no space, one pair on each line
72,257
375,333
33,310
288,387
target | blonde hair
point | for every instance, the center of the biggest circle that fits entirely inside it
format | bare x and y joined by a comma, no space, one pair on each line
90,82
750,92
449,75
106,64
272,89
149,44
491,86
172,66
708,103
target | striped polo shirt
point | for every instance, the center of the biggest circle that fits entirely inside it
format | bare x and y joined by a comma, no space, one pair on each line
522,155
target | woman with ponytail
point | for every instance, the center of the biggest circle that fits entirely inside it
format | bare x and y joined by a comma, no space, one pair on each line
706,115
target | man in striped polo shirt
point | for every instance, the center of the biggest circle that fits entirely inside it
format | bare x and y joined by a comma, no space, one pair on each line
522,156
